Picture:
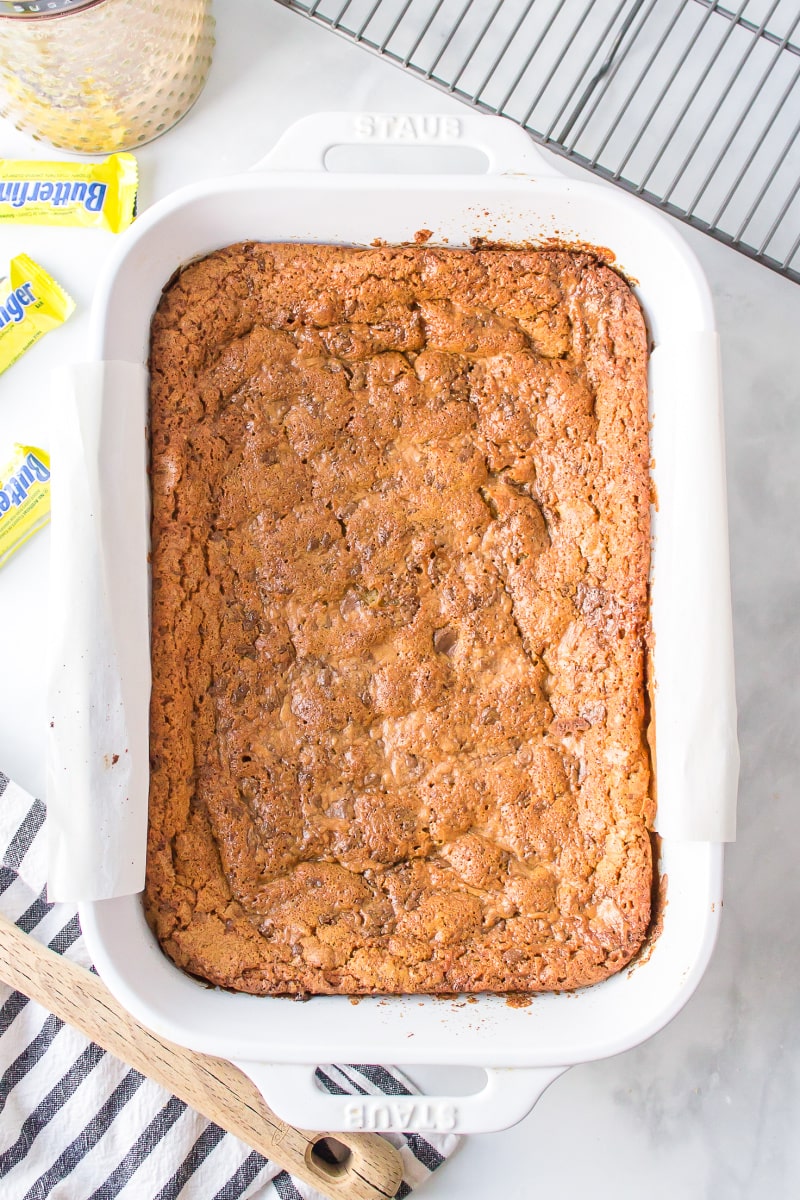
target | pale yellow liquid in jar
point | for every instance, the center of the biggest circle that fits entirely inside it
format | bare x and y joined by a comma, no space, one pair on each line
107,77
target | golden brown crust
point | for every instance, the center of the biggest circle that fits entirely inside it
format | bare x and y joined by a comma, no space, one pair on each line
400,558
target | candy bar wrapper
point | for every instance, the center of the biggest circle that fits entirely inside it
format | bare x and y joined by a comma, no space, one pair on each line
24,498
92,195
31,304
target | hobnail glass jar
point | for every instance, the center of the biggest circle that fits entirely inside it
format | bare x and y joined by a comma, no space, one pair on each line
96,76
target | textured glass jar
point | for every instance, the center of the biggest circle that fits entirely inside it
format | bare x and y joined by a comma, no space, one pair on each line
101,75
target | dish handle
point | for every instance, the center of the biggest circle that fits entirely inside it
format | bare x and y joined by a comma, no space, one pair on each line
507,146
508,1095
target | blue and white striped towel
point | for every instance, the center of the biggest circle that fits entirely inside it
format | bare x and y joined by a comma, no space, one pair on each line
78,1124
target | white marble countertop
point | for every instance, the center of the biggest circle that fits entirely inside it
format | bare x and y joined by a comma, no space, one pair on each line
709,1107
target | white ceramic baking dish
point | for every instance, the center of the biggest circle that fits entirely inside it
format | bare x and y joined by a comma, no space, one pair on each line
278,1042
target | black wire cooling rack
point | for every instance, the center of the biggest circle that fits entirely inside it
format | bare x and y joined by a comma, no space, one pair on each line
689,104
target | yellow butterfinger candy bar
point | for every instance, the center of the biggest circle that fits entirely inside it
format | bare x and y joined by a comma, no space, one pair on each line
31,303
24,498
97,195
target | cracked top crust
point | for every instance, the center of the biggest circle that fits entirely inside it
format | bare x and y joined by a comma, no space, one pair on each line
400,557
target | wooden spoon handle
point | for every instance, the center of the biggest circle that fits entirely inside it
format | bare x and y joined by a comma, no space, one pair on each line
371,1168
